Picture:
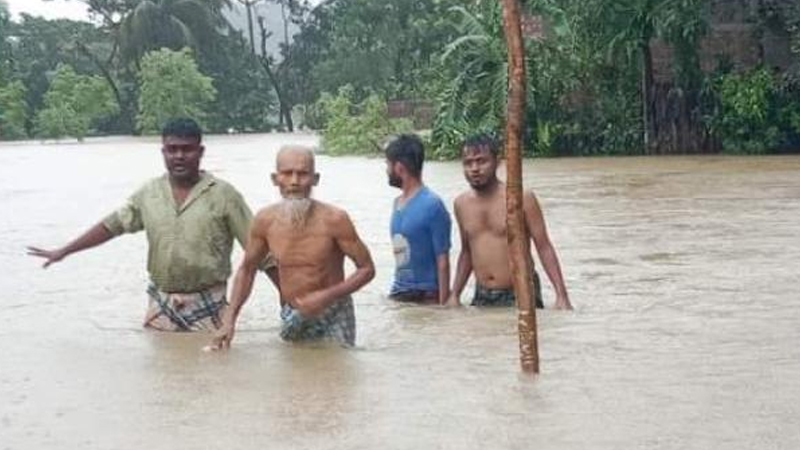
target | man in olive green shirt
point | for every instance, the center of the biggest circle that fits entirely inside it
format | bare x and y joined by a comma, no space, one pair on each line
191,220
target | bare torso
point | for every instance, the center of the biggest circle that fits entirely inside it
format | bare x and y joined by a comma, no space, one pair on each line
308,258
483,220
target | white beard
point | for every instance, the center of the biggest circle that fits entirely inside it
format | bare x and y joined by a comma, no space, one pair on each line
295,211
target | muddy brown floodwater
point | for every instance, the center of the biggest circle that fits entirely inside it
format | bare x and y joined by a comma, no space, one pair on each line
686,333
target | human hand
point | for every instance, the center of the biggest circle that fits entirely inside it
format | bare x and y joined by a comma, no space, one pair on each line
222,337
309,305
562,302
50,256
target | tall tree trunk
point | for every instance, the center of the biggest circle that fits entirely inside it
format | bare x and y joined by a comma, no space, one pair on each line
248,5
285,111
125,109
518,238
285,25
650,132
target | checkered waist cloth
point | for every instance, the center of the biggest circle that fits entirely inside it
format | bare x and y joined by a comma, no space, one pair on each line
337,323
195,311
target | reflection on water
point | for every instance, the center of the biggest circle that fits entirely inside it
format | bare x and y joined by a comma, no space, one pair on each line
683,272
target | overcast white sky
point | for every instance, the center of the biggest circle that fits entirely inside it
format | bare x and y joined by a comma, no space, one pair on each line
55,9
68,9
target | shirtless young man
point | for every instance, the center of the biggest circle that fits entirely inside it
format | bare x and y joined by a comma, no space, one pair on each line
481,217
309,241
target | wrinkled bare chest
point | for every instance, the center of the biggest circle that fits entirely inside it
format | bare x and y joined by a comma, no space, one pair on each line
303,249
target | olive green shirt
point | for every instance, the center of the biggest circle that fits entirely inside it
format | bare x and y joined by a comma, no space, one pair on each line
190,244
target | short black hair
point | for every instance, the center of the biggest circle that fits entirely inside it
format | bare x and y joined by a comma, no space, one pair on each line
483,141
408,150
182,127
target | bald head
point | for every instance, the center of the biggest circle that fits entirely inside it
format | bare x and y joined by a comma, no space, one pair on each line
294,171
295,153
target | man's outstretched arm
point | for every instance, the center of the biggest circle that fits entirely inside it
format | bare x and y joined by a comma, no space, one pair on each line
127,219
93,237
547,253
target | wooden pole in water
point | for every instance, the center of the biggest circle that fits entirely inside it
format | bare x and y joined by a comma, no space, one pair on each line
518,238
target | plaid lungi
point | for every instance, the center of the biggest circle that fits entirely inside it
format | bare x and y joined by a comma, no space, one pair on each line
505,297
337,323
195,311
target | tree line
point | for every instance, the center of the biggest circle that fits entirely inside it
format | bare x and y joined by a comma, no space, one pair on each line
593,83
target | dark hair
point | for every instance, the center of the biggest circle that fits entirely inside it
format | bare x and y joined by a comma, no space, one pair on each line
408,150
182,127
483,141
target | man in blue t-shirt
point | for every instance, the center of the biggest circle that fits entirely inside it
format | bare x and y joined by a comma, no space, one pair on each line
420,228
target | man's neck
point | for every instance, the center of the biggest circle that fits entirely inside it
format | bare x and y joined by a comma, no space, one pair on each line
184,183
410,188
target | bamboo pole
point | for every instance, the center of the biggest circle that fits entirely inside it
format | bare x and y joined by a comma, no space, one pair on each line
518,238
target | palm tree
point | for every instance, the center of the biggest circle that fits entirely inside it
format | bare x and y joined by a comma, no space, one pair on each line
137,26
249,4
476,96
634,25
153,24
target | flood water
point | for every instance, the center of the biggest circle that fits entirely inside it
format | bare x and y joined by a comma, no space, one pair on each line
683,272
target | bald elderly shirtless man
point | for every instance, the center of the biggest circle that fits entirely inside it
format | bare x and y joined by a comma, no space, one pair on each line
481,216
308,240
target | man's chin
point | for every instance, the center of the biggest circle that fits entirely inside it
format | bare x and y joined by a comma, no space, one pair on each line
478,185
182,174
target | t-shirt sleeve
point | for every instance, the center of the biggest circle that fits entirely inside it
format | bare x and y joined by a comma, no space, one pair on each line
440,229
127,219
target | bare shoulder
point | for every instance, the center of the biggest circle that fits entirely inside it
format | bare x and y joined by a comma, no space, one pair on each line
464,199
529,199
332,215
265,216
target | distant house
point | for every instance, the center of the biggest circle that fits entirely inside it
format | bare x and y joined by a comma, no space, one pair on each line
420,112
733,40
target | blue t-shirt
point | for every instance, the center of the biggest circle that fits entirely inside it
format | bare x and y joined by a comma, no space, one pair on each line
420,232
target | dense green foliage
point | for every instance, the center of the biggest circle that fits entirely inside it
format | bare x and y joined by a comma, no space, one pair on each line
357,127
72,104
245,98
591,81
5,45
171,86
155,24
595,86
757,113
13,110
